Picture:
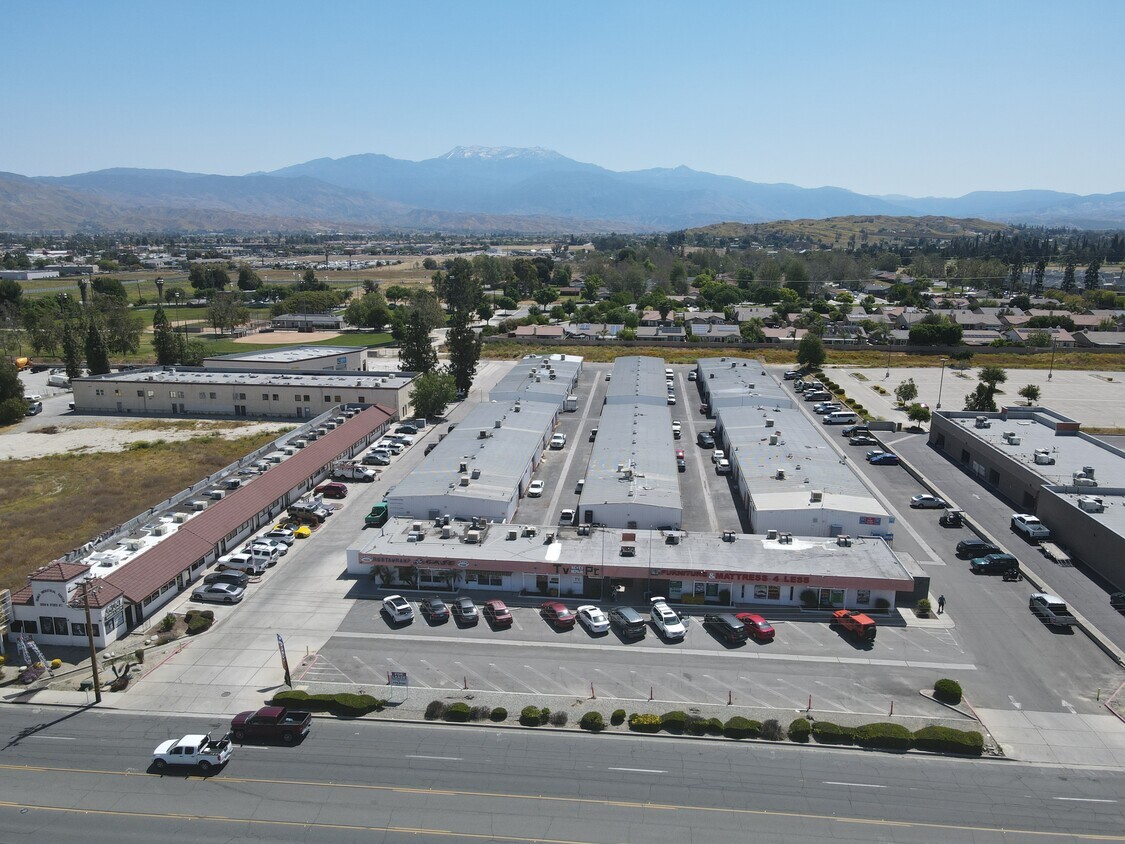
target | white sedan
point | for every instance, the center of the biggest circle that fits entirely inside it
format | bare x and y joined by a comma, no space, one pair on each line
928,502
535,489
593,619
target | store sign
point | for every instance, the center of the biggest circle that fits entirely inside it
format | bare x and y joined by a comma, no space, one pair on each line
736,576
578,571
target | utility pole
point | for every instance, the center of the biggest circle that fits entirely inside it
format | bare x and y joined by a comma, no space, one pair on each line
90,637
941,382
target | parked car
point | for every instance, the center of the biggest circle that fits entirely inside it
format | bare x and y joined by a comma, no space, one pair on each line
377,458
863,439
276,545
1030,526
722,467
593,434
393,446
1117,600
681,465
875,452
219,593
406,429
671,399
858,624
756,626
792,375
855,430
566,517
693,375
993,564
592,618
234,578
34,408
398,609
826,407
927,502
465,611
717,455
1051,609
666,622
299,530
535,489
434,610
705,439
282,535
886,459
557,614
405,439
497,613
332,489
240,561
628,623
558,441
271,722
726,626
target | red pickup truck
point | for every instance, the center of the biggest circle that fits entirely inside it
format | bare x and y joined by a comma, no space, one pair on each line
856,623
271,722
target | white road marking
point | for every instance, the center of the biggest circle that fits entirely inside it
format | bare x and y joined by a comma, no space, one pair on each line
1083,800
1015,702
638,770
53,738
853,784
512,677
1069,707
477,676
438,758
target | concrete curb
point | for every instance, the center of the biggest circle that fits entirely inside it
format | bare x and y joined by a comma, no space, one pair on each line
1034,578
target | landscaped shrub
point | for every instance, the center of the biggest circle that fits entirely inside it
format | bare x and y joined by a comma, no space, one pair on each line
593,722
771,730
643,722
714,726
499,714
882,604
923,607
825,732
342,704
740,728
288,698
949,740
559,719
696,725
618,717
673,722
948,691
434,710
809,599
458,711
350,704
198,624
799,729
544,715
530,716
168,622
479,713
885,736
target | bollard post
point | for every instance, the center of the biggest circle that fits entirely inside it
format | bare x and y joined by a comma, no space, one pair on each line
592,695
730,697
650,692
1099,695
465,683
810,704
892,708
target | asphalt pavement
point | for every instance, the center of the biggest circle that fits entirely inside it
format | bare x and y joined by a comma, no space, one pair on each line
84,775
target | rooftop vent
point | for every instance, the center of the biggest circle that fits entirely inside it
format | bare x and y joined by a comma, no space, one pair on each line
628,550
446,531
1091,504
482,435
769,423
512,534
530,530
497,423
780,474
816,495
416,527
180,518
729,536
463,468
844,540
475,474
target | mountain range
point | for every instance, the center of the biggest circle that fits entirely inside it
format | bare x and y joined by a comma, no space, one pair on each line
481,190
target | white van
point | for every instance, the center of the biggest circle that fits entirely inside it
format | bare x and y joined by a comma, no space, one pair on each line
841,417
58,381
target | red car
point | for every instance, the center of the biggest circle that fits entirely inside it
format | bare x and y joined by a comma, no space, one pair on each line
332,489
756,626
557,614
497,613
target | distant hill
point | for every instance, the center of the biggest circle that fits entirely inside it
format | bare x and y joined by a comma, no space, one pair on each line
488,189
838,231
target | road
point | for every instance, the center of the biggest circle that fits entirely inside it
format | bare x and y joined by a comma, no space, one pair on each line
83,776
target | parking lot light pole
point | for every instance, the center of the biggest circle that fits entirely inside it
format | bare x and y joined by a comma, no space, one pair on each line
90,637
1051,370
941,382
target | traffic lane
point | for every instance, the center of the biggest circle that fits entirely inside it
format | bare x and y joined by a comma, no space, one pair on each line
455,778
1073,584
1027,662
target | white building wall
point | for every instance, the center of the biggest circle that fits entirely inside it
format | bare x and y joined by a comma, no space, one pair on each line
646,517
819,522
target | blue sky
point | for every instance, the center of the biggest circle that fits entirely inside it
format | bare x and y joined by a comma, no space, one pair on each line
878,97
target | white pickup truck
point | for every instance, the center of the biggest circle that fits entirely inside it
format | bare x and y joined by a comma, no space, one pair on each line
200,751
352,471
1030,526
1051,609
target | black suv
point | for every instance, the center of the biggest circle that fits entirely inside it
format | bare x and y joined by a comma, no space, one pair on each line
726,627
705,439
969,548
629,623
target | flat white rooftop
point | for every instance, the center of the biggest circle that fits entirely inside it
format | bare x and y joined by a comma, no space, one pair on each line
261,377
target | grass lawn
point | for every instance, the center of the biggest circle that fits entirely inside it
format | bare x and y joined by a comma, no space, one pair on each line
47,508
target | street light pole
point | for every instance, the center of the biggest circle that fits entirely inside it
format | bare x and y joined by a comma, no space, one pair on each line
90,637
941,383
1051,371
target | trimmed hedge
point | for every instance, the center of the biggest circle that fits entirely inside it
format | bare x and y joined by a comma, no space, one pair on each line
884,736
434,710
593,722
949,740
674,721
948,691
533,716
799,729
640,722
338,704
458,711
825,732
740,728
698,726
199,620
771,730
499,714
618,717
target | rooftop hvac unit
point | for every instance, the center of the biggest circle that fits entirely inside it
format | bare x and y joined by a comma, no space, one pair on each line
512,534
773,439
672,539
482,435
728,536
198,505
497,423
816,495
516,408
416,527
550,537
475,474
583,530
769,423
1088,471
179,518
771,534
529,530
1091,504
464,480
463,468
734,364
628,550
414,536
159,530
134,544
1043,457
1082,480
844,540
446,532
472,537
780,475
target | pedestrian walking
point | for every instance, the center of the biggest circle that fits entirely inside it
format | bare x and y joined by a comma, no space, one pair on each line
940,604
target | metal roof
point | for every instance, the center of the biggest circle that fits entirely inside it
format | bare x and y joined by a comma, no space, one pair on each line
634,458
199,536
731,381
530,379
637,378
288,354
313,380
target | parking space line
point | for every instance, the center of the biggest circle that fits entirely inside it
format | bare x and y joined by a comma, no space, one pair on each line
543,676
446,679
848,698
802,694
758,686
797,628
585,681
677,679
617,681
718,683
513,678
477,676
399,667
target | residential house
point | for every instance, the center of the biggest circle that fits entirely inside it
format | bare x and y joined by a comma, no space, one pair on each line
714,333
787,335
908,317
1062,338
972,337
1100,339
539,332
700,317
592,330
765,314
663,333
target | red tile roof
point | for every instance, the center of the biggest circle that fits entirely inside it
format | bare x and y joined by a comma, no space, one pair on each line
102,594
22,596
59,572
196,538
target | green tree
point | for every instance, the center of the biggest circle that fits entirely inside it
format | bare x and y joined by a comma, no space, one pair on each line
1031,393
810,353
97,357
73,339
432,393
248,279
416,352
590,289
1068,277
424,302
109,287
993,375
12,404
458,286
429,264
963,357
1040,272
464,346
11,292
164,341
546,295
397,293
1091,279
226,311
918,414
309,282
907,391
752,331
369,311
980,400
120,325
